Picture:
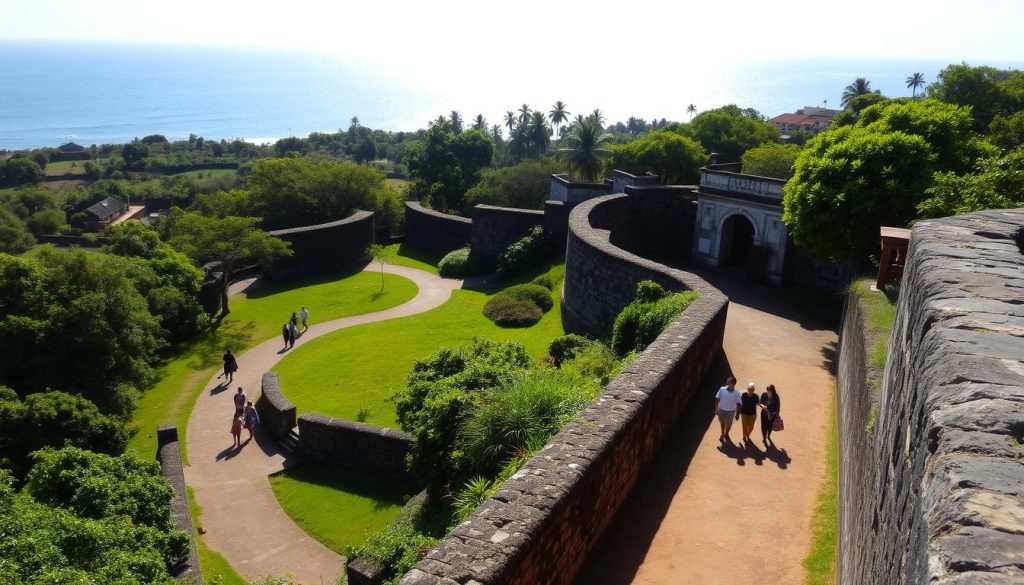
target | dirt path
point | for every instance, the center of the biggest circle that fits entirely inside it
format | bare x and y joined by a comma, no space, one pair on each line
706,513
241,516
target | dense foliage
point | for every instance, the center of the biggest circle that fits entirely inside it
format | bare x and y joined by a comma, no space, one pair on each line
771,160
521,305
458,264
27,212
730,131
989,92
525,252
995,183
670,153
643,320
447,163
525,185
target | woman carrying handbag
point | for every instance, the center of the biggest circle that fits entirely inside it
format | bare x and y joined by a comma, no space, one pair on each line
771,417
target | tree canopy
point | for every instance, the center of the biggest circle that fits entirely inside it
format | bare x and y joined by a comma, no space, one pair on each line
730,131
771,160
585,147
987,90
674,156
525,185
995,183
447,164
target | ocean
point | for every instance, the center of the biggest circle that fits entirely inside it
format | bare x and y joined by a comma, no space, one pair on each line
51,93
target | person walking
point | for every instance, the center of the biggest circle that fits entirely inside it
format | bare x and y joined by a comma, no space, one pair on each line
236,429
726,401
251,417
304,314
240,399
748,411
230,365
285,335
771,406
293,332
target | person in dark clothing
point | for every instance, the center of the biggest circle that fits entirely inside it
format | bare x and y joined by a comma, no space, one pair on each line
748,411
286,334
230,365
771,405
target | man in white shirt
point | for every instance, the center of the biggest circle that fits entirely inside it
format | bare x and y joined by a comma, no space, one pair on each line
304,315
726,407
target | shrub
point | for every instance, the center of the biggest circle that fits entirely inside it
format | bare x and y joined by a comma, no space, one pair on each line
545,281
525,252
508,311
641,321
397,549
534,293
457,264
566,347
597,362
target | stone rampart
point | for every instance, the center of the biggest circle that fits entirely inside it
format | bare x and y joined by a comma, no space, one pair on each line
326,247
277,413
169,455
943,497
354,445
435,232
494,228
545,520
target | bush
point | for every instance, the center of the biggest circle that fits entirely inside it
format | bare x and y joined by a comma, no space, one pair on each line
397,549
641,321
534,293
457,264
524,253
566,347
597,362
508,311
545,281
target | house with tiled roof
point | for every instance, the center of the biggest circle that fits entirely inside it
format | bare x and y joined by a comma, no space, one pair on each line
810,119
101,214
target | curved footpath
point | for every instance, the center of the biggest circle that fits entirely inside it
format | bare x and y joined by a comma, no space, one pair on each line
241,517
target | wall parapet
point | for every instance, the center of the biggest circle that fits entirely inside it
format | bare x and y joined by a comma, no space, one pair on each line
542,523
277,413
169,455
354,445
325,247
495,228
435,232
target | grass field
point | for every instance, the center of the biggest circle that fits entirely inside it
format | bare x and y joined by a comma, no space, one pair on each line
362,367
212,564
203,174
66,167
255,317
336,507
406,255
820,562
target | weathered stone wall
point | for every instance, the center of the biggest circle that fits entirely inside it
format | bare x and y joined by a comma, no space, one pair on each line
562,189
354,445
169,455
658,222
327,247
435,232
946,503
494,228
277,413
542,523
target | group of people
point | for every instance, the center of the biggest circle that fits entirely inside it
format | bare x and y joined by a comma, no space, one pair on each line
245,417
290,330
732,405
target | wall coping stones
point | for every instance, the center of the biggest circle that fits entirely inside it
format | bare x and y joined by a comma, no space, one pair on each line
513,210
359,215
418,207
276,411
169,455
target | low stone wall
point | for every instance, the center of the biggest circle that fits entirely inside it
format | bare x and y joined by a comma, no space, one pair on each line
658,222
326,247
169,455
354,445
435,232
494,228
544,521
946,500
277,413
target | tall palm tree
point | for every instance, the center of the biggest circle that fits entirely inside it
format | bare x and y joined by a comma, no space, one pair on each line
599,116
859,87
524,113
496,134
558,115
584,147
480,123
510,120
538,134
691,109
456,120
915,82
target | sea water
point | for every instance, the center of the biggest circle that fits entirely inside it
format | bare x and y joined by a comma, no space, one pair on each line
91,93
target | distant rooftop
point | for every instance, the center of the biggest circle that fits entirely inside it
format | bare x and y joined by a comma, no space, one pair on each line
107,208
70,147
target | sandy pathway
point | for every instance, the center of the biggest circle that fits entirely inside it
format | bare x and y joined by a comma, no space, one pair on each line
241,516
707,514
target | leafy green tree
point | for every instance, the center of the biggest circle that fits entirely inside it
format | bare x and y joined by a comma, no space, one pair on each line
46,221
729,131
987,90
456,121
154,139
447,164
851,112
134,152
859,87
995,183
676,158
584,149
525,185
771,160
233,242
289,145
1007,132
915,82
20,171
14,235
384,255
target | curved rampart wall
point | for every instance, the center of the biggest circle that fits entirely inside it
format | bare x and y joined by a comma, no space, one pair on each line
494,228
435,232
354,445
277,413
944,498
326,247
545,520
169,455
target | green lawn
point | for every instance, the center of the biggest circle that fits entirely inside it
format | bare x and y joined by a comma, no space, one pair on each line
336,507
212,564
202,174
65,167
362,367
406,255
255,317
820,562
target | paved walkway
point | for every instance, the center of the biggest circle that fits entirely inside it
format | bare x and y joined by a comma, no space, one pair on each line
241,517
707,514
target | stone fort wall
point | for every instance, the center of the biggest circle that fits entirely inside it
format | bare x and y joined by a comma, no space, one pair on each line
936,494
495,228
169,455
435,232
354,445
542,523
326,247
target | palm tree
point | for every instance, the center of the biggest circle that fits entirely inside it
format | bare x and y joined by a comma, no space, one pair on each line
456,120
597,115
496,133
480,123
915,82
583,148
691,109
524,113
859,87
538,133
510,120
558,115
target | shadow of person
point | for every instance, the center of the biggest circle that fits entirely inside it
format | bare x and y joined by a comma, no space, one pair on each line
227,453
778,456
733,451
222,386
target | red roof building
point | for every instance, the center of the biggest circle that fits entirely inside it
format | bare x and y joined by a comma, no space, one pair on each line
810,119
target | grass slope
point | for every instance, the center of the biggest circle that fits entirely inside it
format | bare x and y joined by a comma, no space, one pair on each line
255,317
362,367
338,508
820,562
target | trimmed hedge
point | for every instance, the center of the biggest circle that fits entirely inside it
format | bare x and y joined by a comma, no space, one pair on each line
545,281
508,311
535,293
457,264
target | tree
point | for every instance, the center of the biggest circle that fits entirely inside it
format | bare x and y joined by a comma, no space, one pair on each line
233,242
915,82
584,148
524,186
14,235
456,120
384,255
446,164
510,120
46,221
598,116
134,152
538,134
987,90
480,123
20,170
365,151
558,115
995,183
524,113
691,110
154,139
851,113
729,131
860,86
771,160
1007,132
676,158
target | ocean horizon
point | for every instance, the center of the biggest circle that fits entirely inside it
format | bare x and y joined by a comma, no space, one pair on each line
91,93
